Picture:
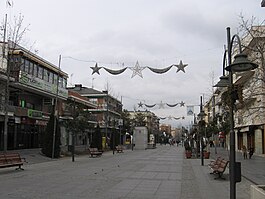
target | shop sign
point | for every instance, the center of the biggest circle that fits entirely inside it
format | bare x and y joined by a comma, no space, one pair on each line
40,84
34,114
17,120
41,122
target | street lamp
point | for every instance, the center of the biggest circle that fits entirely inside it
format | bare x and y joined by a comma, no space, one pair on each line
240,64
201,116
224,80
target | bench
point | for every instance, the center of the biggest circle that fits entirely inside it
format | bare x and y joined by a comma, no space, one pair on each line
11,160
119,149
219,168
94,152
215,162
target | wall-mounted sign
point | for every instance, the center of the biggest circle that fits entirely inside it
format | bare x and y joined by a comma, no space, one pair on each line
34,114
40,84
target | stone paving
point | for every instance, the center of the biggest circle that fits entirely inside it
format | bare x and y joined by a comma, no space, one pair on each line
161,173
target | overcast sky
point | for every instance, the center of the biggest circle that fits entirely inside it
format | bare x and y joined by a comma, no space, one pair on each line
118,33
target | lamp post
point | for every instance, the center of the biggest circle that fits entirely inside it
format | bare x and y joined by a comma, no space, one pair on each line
113,137
240,64
201,124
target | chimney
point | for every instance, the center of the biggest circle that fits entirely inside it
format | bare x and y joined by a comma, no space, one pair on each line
78,86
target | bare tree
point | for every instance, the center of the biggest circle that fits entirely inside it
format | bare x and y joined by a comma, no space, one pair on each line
13,32
250,86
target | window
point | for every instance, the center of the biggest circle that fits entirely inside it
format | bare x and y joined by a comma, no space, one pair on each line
60,82
29,105
22,103
40,72
14,58
31,67
52,77
22,67
26,66
64,82
36,70
48,76
45,75
55,76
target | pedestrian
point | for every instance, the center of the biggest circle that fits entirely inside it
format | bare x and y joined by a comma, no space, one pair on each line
211,143
251,151
244,151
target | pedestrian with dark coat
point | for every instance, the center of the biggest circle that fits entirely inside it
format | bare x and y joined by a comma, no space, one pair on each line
251,151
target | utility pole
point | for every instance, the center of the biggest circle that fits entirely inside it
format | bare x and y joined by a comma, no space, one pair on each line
201,126
107,114
56,109
6,88
73,135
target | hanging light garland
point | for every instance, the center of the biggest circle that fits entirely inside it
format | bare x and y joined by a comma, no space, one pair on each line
137,69
171,117
161,105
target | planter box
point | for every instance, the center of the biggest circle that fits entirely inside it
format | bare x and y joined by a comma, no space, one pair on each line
206,155
257,191
188,154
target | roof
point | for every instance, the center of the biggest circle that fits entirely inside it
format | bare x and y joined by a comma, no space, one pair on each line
90,92
84,90
17,49
83,100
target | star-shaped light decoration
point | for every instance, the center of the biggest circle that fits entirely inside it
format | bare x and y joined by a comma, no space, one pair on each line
137,70
182,103
181,66
96,69
161,105
140,105
169,117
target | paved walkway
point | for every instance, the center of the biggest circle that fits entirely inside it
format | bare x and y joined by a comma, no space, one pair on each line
161,173
253,169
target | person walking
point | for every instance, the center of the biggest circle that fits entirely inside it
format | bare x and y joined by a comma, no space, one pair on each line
251,151
244,151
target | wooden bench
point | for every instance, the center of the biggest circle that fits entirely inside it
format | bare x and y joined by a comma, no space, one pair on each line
11,160
219,168
119,149
94,152
215,162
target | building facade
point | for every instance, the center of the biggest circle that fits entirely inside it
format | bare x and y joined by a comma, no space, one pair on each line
249,115
76,108
30,84
108,112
